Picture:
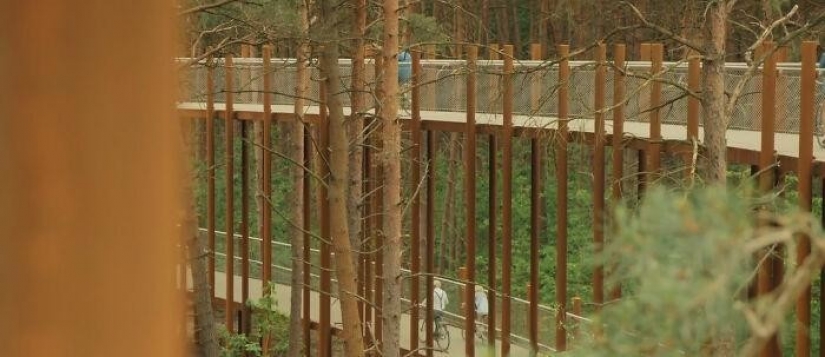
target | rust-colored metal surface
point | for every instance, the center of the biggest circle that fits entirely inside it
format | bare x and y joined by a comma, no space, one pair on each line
306,203
415,168
378,214
246,313
92,180
807,92
492,217
598,171
561,198
429,267
470,199
619,52
507,198
369,221
210,176
324,319
655,144
229,167
266,166
535,209
694,83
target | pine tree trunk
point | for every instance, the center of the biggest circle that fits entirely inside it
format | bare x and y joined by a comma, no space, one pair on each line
713,95
391,313
355,125
338,181
296,143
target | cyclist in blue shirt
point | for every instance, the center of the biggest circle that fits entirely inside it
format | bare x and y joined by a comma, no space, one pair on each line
404,76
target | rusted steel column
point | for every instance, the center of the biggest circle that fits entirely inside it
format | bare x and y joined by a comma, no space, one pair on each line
266,175
470,198
210,177
535,222
822,273
694,83
492,207
93,174
494,82
430,239
229,156
535,79
507,199
378,214
598,172
561,196
767,172
307,227
655,140
619,52
415,167
246,312
577,311
643,98
324,320
807,110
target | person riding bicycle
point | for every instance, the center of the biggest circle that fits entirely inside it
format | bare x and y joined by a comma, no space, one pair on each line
482,306
440,301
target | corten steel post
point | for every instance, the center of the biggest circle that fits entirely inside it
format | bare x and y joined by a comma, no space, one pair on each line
535,79
229,155
492,217
245,326
492,207
266,175
507,199
822,273
561,196
430,240
210,177
306,202
644,104
535,222
694,83
324,320
619,52
766,163
494,84
415,167
598,172
470,199
655,143
109,161
807,110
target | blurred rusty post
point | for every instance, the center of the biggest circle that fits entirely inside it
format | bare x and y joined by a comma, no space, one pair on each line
561,197
694,84
378,214
535,228
619,53
80,154
246,311
806,134
306,203
324,320
229,163
266,167
655,141
430,240
643,99
210,177
492,152
767,177
415,167
535,79
507,199
598,172
470,197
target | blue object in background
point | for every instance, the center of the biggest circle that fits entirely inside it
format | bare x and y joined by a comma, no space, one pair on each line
404,67
822,60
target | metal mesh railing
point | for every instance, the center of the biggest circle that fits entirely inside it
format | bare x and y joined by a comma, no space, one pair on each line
281,274
443,88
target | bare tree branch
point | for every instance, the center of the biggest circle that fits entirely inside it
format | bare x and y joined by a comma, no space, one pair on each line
684,41
200,8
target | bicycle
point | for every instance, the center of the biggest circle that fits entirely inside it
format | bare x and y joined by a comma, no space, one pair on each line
480,331
441,334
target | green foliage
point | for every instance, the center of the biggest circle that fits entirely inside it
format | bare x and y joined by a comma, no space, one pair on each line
268,322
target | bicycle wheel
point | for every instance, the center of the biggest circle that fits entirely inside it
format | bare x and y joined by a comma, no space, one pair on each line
443,339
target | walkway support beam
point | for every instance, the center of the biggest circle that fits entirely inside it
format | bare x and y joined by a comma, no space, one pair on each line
561,203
